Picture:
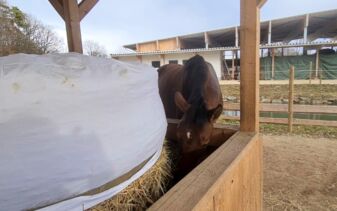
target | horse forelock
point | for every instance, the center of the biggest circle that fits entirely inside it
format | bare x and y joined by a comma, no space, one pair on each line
194,80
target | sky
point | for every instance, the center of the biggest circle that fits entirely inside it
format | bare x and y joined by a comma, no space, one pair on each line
114,23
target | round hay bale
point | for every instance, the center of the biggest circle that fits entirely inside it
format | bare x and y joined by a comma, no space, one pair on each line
143,192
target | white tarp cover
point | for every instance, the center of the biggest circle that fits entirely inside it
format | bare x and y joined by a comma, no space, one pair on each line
70,123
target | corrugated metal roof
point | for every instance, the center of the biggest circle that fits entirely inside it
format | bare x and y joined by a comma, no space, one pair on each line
321,25
196,50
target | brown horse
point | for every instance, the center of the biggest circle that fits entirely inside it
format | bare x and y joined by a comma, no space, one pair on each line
191,93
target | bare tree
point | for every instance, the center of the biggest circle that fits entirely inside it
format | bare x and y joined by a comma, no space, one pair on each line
20,33
93,48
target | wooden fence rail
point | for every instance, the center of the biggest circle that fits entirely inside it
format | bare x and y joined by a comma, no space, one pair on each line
295,121
283,108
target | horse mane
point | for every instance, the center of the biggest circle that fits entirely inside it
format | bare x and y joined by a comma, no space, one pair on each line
194,79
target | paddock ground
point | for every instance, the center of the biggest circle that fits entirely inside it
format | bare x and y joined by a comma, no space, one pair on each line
300,173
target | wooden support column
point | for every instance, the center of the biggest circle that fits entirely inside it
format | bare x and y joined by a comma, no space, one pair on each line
305,30
206,38
272,63
291,99
72,13
233,65
317,63
72,20
269,33
178,43
236,37
250,64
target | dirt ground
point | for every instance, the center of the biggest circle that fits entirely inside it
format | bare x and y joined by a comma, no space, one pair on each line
300,173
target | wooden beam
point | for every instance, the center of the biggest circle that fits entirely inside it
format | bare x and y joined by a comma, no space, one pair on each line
250,65
283,108
85,6
72,21
284,121
58,6
260,3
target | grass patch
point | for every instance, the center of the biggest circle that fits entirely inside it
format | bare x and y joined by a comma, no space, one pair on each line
302,130
316,91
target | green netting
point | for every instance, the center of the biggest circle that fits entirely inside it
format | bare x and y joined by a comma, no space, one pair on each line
265,68
328,65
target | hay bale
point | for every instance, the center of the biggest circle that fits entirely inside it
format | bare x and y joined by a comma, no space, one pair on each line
143,192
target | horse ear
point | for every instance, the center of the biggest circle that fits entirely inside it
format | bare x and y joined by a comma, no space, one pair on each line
217,112
181,102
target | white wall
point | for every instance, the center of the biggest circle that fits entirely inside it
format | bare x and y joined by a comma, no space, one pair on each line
213,57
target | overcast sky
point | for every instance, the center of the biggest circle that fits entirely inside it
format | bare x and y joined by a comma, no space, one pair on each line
115,23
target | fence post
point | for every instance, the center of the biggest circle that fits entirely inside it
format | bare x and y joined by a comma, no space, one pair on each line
320,76
291,99
310,73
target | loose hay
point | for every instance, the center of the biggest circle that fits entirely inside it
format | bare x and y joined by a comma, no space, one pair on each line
143,192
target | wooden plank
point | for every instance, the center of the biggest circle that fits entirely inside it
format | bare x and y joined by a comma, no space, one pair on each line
291,99
229,179
250,65
72,21
85,6
168,44
58,6
146,47
323,109
295,121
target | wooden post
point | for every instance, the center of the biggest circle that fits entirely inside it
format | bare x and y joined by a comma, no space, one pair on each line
317,63
272,64
233,65
291,99
310,73
250,64
72,20
72,13
320,76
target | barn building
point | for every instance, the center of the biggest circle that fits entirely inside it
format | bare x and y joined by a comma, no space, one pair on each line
304,36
